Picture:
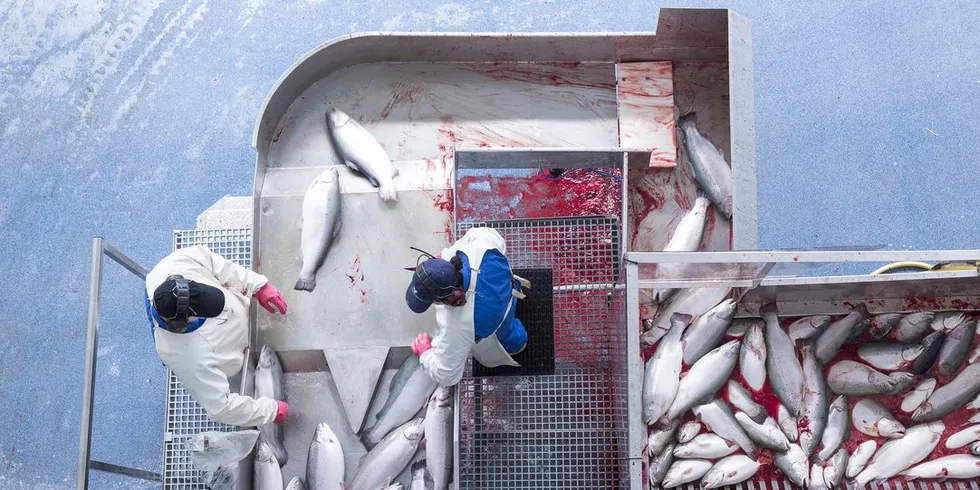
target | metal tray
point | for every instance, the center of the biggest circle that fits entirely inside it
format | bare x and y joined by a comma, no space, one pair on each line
434,100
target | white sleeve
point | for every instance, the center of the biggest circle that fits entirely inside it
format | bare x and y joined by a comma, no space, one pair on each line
451,346
229,273
209,386
488,237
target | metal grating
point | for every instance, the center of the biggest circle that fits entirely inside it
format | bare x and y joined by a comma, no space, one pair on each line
184,416
566,430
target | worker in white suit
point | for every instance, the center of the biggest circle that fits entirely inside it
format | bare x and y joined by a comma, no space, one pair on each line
475,295
198,303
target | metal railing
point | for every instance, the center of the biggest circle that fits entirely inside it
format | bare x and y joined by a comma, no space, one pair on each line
100,249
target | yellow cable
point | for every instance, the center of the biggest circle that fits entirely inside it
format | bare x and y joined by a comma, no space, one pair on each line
901,265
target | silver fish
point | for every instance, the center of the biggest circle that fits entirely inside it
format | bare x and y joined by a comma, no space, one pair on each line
712,172
914,326
781,358
963,438
882,325
975,448
360,151
787,423
659,465
837,333
690,301
389,457
439,437
951,396
740,398
834,471
410,388
719,419
898,454
858,330
862,454
767,434
955,347
325,461
418,475
752,358
662,374
705,446
659,438
688,431
296,483
740,326
730,471
795,465
269,384
686,237
815,400
853,378
817,481
932,344
321,225
707,331
873,419
685,471
957,466
704,378
838,428
902,381
947,321
808,327
266,473
890,356
918,396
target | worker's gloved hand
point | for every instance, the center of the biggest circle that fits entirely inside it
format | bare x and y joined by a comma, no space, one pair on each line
421,344
281,409
268,296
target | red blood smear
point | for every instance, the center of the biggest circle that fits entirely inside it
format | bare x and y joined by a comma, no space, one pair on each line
581,193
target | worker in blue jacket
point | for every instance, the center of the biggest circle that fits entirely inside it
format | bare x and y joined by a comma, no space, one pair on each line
475,295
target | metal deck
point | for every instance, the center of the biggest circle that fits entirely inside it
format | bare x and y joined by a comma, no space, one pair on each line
184,416
566,430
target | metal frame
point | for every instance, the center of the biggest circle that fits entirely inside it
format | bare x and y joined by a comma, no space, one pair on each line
100,248
766,259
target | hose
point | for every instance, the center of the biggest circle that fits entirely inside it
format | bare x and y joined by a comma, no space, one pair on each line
902,265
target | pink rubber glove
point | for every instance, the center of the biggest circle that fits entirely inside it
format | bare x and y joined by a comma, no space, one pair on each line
281,409
421,344
268,296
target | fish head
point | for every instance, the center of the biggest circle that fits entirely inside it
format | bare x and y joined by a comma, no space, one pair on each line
726,309
414,429
267,357
264,453
324,433
730,349
336,117
890,428
713,478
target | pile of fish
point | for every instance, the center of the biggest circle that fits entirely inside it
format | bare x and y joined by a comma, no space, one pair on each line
393,440
358,149
821,399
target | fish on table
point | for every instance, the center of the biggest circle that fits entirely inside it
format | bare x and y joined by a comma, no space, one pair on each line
325,460
359,150
269,384
439,437
320,226
409,390
390,457
712,172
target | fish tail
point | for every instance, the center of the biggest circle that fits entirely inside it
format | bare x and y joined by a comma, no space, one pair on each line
387,192
305,284
690,117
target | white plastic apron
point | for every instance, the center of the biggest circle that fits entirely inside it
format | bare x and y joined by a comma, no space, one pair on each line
488,350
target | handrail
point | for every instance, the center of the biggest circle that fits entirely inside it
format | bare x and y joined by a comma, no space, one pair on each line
100,248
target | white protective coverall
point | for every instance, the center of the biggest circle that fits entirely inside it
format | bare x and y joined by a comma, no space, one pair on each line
205,358
454,339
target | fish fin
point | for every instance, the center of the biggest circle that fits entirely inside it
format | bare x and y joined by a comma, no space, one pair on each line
351,166
337,227
387,192
308,284
689,117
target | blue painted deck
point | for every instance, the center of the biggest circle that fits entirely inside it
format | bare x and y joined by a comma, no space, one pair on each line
128,119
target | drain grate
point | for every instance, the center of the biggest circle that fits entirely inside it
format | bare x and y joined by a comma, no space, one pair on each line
184,416
566,430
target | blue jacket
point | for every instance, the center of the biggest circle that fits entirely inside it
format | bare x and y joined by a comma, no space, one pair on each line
493,295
